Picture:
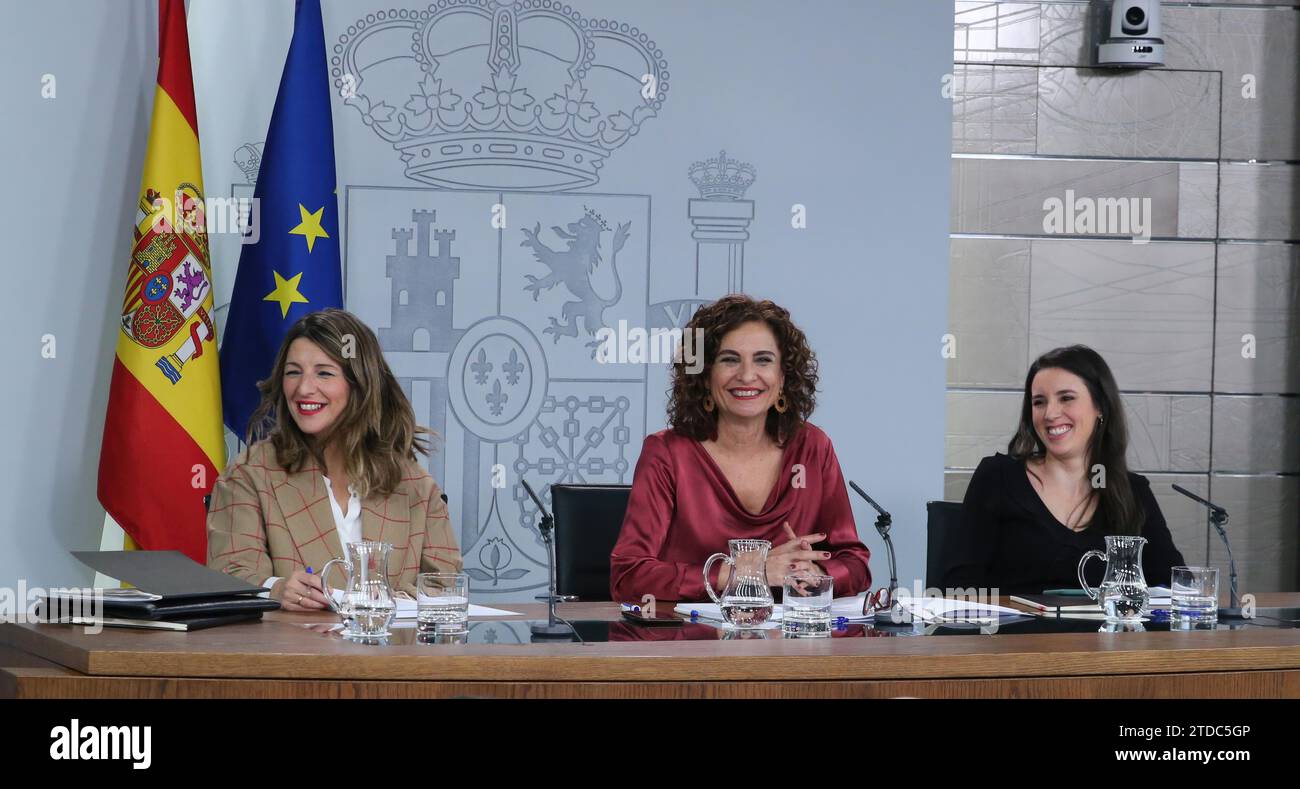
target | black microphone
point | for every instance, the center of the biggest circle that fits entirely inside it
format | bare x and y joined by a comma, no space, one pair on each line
1219,519
883,522
555,627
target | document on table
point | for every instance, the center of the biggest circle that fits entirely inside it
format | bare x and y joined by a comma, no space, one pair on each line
942,609
847,607
407,608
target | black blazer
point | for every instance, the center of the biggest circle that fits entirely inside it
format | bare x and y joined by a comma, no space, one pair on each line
1010,540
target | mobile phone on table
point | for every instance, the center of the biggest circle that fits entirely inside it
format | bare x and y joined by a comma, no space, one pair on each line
661,618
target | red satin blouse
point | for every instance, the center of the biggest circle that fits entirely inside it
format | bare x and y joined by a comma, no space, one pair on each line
682,509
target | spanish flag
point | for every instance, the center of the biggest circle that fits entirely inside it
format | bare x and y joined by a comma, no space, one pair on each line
163,442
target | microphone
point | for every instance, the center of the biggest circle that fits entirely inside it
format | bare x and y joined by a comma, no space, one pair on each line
1219,519
554,626
883,522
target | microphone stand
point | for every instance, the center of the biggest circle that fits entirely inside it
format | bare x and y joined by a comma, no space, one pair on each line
883,522
553,628
1219,519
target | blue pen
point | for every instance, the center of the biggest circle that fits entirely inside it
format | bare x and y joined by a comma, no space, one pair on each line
636,609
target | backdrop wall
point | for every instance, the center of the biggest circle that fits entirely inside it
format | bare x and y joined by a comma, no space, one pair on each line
836,107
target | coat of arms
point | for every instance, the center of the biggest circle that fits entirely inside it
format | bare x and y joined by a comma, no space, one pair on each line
169,279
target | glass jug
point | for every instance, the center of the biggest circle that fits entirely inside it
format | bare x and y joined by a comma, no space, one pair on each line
747,600
366,607
1123,592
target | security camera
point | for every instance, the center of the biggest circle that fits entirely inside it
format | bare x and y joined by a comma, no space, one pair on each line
1134,40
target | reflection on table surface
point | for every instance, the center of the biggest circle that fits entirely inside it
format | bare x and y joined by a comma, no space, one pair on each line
515,632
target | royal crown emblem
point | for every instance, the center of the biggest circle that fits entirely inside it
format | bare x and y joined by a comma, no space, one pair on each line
721,178
516,94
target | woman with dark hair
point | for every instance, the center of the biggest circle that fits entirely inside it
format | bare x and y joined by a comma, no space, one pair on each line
739,461
330,460
1064,484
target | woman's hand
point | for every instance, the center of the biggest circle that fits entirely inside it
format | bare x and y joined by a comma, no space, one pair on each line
301,591
794,555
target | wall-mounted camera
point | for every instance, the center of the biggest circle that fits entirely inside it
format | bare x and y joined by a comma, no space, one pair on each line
1134,40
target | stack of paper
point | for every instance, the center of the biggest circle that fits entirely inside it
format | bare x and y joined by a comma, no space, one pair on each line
943,610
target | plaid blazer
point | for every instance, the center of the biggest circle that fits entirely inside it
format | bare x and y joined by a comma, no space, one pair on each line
264,521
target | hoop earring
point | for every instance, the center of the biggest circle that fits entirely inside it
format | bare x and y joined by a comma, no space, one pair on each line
708,403
781,404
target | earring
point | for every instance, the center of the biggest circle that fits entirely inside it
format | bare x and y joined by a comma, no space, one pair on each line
1101,418
781,404
708,403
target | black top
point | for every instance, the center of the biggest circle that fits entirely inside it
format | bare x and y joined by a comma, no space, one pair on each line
1010,540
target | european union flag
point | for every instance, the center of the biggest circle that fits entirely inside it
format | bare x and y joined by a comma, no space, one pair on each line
294,268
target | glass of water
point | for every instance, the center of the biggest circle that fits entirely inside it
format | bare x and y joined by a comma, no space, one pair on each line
1194,593
806,605
442,602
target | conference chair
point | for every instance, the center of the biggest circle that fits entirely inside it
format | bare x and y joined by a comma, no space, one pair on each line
587,522
943,519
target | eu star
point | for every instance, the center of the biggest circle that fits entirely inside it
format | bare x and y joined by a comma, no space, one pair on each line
286,292
310,226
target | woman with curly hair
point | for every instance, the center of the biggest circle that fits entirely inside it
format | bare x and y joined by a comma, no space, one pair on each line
740,460
331,460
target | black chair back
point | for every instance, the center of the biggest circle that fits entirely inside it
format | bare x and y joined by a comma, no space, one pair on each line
943,519
588,519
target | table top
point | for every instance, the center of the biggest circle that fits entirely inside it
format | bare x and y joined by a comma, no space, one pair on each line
301,646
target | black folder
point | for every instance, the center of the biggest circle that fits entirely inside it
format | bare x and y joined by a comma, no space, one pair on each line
168,585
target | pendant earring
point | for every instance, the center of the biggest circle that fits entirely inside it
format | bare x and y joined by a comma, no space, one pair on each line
708,403
781,404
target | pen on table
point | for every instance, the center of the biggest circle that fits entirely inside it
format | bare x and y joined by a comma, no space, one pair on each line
1066,592
636,609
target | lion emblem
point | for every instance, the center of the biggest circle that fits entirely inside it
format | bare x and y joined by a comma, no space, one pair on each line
573,267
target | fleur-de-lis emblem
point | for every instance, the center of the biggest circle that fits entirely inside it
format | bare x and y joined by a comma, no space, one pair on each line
513,368
497,398
481,368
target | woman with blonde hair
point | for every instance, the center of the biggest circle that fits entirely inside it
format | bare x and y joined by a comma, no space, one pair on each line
331,459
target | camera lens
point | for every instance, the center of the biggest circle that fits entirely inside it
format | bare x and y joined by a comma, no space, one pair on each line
1135,16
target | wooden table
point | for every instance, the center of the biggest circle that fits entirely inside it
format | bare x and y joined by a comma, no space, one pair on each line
283,657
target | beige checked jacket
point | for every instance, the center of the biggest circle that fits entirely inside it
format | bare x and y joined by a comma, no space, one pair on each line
263,522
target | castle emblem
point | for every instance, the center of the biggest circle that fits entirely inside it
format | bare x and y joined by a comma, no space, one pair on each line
169,279
467,105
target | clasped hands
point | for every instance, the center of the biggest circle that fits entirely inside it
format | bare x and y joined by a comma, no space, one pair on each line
792,556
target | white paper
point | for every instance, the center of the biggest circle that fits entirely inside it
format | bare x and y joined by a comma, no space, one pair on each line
848,607
407,608
942,608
